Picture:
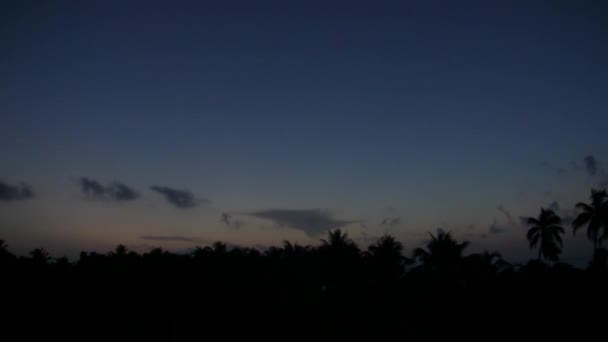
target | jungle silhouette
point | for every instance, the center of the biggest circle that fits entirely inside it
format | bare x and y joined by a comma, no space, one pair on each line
332,291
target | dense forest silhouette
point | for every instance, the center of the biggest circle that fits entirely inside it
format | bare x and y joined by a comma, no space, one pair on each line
332,291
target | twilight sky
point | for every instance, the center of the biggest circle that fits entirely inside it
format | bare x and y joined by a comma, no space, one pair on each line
164,124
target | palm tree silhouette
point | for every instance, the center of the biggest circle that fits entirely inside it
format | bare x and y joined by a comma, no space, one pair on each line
40,256
274,252
594,216
442,252
545,232
386,247
487,262
294,250
386,255
340,257
3,248
338,241
5,255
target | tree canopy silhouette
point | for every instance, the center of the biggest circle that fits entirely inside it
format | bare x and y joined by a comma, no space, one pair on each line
334,289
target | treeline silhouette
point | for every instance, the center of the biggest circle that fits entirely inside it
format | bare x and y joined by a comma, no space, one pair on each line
332,291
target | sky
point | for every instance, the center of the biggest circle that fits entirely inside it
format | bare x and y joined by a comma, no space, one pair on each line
177,124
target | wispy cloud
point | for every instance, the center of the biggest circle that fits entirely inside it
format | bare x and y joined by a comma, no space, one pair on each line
391,221
115,191
591,165
560,171
228,220
507,214
9,192
554,206
121,192
567,214
183,199
225,218
495,228
313,222
594,169
92,188
498,228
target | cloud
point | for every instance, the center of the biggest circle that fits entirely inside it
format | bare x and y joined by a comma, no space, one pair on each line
227,219
554,206
182,199
17,192
495,228
594,168
91,187
591,165
115,191
121,192
507,214
567,215
177,238
313,222
560,171
391,222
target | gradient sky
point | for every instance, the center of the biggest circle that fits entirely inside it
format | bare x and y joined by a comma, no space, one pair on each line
393,117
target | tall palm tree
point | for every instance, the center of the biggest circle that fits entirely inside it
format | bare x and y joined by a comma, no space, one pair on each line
386,257
545,232
442,252
387,247
339,242
274,252
593,215
5,255
40,256
294,250
340,258
3,247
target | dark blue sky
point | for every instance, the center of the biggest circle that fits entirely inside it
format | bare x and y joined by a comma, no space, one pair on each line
432,112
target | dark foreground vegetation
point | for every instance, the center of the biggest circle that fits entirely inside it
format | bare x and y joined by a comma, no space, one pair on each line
334,291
